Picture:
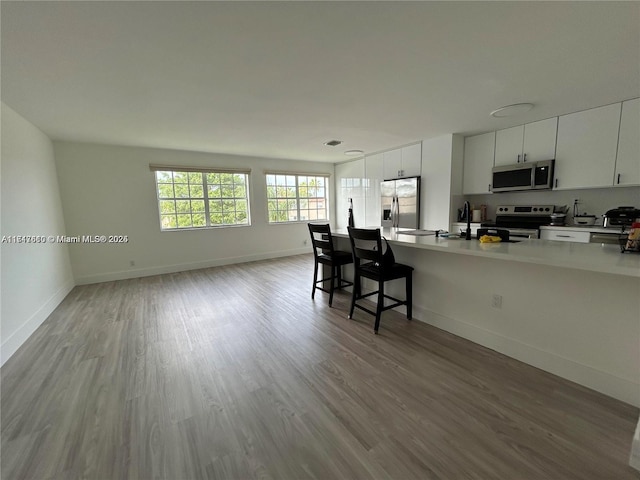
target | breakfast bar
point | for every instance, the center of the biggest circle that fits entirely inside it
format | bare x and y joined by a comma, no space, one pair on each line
568,308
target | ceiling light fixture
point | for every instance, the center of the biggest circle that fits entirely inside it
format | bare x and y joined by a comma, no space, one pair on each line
510,110
333,143
354,152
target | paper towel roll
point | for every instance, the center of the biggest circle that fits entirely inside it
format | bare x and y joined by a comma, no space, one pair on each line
476,216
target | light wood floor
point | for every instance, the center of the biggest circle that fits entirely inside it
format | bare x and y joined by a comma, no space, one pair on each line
235,373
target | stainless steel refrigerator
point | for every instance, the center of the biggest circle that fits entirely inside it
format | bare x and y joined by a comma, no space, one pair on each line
401,202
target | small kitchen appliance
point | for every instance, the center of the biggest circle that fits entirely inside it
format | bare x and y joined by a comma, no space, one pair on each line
621,217
523,176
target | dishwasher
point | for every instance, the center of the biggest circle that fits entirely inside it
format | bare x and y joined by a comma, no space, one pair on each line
612,238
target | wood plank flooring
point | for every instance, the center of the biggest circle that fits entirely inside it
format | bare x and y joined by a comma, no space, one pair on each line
235,373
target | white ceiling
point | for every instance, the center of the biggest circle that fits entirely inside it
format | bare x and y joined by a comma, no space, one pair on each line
279,79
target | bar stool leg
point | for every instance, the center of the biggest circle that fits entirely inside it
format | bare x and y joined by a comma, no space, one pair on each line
331,284
409,296
354,294
380,305
315,278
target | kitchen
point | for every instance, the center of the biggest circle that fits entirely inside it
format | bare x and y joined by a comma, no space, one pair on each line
539,319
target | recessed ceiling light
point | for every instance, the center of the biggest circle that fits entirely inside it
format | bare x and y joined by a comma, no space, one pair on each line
354,152
333,143
510,110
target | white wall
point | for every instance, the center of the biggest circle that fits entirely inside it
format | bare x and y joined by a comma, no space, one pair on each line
595,201
109,190
35,277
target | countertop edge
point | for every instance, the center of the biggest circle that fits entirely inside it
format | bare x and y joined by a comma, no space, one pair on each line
633,270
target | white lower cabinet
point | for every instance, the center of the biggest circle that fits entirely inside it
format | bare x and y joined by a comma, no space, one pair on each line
461,227
562,235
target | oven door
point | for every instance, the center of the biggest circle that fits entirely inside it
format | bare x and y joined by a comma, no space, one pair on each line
523,233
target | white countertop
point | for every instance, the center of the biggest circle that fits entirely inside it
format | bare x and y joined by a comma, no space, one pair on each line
593,257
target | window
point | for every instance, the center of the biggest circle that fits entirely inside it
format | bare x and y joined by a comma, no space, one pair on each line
193,198
297,198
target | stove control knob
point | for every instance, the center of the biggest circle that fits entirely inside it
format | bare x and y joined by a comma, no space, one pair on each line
535,209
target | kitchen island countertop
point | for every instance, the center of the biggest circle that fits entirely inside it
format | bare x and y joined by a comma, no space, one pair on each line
592,257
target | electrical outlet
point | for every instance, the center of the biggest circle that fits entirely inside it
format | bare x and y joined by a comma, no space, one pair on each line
132,263
304,242
496,301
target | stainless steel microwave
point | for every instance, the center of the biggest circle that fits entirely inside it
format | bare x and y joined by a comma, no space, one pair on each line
523,176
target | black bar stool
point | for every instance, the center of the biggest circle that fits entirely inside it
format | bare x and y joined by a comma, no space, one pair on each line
370,261
325,254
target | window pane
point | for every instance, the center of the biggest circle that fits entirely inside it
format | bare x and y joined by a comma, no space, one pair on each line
215,206
184,221
213,178
239,191
241,206
214,191
199,220
228,206
167,206
182,190
280,180
182,206
195,177
215,218
196,191
165,190
164,177
169,221
197,206
180,177
226,178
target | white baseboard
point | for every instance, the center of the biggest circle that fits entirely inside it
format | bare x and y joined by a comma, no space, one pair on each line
182,267
622,389
634,459
17,338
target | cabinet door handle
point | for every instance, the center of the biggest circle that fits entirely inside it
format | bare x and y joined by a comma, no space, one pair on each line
518,158
489,187
556,183
564,236
618,179
524,157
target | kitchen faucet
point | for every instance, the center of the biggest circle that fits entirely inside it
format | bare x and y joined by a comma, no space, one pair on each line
467,211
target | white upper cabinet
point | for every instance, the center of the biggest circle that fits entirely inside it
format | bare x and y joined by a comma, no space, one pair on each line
403,162
527,143
540,140
586,150
479,151
509,145
412,160
628,161
392,163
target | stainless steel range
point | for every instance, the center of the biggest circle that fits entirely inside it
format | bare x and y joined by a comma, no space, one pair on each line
522,221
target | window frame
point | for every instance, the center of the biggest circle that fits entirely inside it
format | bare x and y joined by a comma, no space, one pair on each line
325,176
206,198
